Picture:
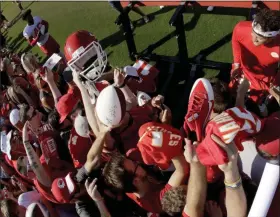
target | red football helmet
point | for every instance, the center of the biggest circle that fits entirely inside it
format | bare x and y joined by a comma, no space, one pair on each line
85,55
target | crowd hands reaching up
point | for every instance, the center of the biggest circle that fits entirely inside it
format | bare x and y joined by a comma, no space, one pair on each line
84,139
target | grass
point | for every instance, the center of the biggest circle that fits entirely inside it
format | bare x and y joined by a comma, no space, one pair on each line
98,17
203,30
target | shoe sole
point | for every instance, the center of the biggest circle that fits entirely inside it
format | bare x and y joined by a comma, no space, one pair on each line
207,85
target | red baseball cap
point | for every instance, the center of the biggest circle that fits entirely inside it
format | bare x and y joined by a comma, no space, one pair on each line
63,189
159,143
268,139
67,102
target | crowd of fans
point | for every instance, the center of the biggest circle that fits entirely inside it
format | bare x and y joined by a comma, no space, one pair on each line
80,138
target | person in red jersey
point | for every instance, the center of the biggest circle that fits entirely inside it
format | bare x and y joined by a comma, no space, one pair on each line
255,48
36,32
54,153
71,188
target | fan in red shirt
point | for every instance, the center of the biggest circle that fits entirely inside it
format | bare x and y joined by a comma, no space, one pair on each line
256,54
139,182
54,153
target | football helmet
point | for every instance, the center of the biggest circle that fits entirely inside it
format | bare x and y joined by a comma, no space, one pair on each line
85,55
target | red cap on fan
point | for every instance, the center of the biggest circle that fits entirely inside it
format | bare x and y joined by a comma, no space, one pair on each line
159,143
67,102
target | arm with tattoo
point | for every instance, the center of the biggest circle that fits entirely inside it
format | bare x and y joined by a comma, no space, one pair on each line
34,160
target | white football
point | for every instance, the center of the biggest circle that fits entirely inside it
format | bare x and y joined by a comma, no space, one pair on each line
110,106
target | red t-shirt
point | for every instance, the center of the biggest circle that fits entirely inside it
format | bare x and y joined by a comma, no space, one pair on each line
151,202
78,147
259,63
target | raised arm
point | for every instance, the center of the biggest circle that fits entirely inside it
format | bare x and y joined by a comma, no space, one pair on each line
130,98
236,48
236,203
197,187
241,93
34,161
89,108
95,195
181,171
48,77
94,154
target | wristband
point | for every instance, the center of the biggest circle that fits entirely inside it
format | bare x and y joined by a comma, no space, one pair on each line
121,86
234,185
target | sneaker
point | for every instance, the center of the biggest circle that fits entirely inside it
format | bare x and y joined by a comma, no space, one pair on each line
146,19
201,102
161,7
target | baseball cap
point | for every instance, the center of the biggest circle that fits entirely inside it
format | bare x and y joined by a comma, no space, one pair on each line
67,102
159,143
268,140
14,116
63,189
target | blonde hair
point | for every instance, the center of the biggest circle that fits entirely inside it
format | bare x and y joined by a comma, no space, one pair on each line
26,62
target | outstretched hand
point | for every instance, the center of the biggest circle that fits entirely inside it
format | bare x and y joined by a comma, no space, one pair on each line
190,151
76,79
232,153
48,75
92,191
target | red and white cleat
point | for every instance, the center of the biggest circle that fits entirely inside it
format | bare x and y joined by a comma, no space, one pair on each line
201,102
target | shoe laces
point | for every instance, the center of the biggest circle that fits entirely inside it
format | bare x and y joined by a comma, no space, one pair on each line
196,103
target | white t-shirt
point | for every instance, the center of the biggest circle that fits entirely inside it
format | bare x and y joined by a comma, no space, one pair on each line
32,30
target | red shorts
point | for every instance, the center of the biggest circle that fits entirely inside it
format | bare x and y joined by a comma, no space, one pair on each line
50,47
